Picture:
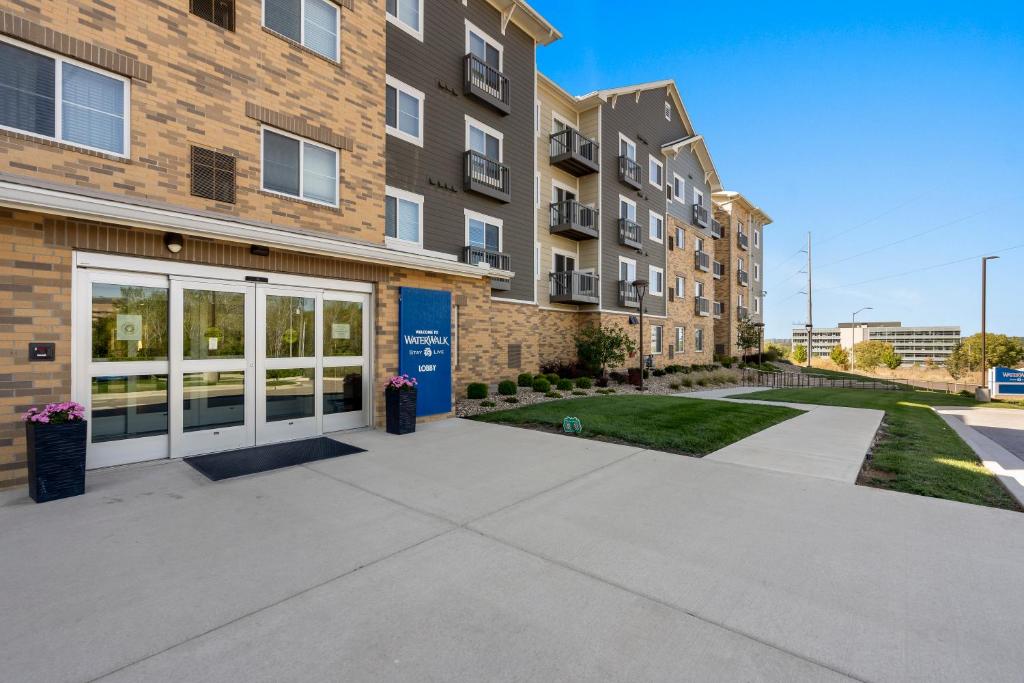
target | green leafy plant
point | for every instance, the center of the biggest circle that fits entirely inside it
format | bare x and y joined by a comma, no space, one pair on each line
577,392
584,383
553,394
564,384
599,348
541,385
891,359
476,390
487,404
525,379
840,357
552,377
868,355
799,354
507,388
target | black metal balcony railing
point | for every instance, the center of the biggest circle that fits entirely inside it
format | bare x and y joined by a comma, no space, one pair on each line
574,153
486,83
743,277
716,229
574,287
717,309
487,176
702,305
718,270
700,215
574,220
630,172
702,260
743,240
742,312
629,234
474,255
627,295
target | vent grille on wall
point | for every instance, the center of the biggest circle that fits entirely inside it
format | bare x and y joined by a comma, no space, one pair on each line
515,356
219,12
213,175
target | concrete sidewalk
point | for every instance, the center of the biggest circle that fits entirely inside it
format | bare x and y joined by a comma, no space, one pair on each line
996,435
826,442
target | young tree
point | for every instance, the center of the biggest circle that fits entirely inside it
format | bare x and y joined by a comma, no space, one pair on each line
777,350
840,357
957,363
799,354
891,359
748,335
1000,349
868,354
599,347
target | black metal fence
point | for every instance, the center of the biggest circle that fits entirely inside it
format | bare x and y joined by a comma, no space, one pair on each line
793,380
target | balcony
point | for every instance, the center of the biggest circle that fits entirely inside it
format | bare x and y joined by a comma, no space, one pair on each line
574,153
627,295
702,306
629,234
630,173
717,309
700,215
717,270
474,255
743,277
574,287
742,312
486,83
743,240
574,220
716,229
702,261
487,177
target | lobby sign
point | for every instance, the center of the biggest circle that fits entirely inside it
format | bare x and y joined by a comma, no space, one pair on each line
1006,381
425,347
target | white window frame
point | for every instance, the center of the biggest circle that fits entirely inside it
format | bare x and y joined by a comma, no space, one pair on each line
680,287
698,288
398,242
757,305
757,237
757,272
493,132
536,190
58,102
653,161
679,342
660,272
302,28
627,200
632,262
680,238
678,189
302,179
471,27
420,97
556,117
468,213
698,335
698,197
629,143
555,251
396,21
661,340
651,217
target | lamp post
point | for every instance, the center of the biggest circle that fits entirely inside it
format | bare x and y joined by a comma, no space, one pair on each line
984,346
640,287
853,333
760,341
809,328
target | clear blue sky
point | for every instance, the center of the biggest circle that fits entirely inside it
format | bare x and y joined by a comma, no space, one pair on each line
865,122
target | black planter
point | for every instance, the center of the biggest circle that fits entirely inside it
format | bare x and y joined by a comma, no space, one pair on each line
56,460
401,411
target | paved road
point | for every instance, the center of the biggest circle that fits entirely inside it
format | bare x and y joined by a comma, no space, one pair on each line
996,435
480,552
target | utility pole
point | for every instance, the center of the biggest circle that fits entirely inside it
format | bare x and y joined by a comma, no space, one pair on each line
984,347
810,303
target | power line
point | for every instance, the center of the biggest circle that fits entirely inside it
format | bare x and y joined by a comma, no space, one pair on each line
924,268
871,220
788,259
906,239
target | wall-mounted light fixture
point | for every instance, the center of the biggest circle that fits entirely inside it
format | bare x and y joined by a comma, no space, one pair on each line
174,242
259,250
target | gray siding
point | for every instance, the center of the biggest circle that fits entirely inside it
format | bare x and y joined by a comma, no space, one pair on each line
687,166
435,171
644,123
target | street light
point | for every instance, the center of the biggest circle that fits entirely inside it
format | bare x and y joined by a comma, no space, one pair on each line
809,329
760,341
984,347
853,332
640,287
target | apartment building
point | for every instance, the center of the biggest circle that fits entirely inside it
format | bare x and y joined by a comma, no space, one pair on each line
741,252
917,345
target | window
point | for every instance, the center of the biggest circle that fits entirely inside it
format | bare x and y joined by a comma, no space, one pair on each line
698,244
407,15
757,304
627,209
698,340
657,227
698,197
680,238
483,231
483,47
311,23
403,217
698,288
757,272
680,286
213,175
627,269
739,263
219,12
55,98
680,343
657,334
404,111
562,262
757,237
657,281
297,167
655,172
679,188
668,111
627,148
483,139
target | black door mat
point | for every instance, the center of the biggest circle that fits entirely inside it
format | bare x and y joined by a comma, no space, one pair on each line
217,466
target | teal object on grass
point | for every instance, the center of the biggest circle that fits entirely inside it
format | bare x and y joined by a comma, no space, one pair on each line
572,425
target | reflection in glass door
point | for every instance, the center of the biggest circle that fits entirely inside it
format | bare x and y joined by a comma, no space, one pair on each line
213,380
345,343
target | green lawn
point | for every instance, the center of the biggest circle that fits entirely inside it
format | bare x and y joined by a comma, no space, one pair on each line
918,453
665,423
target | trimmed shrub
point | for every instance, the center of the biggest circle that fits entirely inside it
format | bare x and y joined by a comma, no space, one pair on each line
541,385
552,377
617,377
525,379
476,390
584,383
487,404
507,388
564,384
577,392
658,372
553,394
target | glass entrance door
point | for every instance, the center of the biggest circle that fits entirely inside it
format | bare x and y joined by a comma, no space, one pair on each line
346,343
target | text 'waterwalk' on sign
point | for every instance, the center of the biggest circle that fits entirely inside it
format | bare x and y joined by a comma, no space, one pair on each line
425,347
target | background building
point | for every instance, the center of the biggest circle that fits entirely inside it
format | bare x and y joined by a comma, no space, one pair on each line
914,344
